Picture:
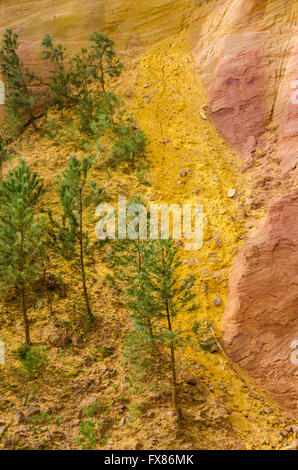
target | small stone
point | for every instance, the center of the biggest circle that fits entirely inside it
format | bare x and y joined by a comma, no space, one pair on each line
249,201
9,443
87,403
217,301
214,349
87,360
190,379
19,417
137,445
56,337
33,410
121,422
268,411
75,423
232,193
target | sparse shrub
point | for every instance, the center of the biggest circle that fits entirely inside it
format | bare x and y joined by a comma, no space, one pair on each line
129,146
105,351
203,334
92,410
33,360
90,432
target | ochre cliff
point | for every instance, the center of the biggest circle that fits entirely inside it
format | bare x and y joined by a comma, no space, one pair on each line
261,315
246,54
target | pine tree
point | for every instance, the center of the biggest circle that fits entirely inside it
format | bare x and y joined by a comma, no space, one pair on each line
103,57
72,76
61,76
19,98
157,296
21,232
126,260
172,296
77,193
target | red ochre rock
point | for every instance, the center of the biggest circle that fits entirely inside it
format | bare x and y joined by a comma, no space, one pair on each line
261,318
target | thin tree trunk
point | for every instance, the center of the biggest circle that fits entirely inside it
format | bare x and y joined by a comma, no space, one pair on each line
25,316
173,367
23,299
49,297
102,80
86,297
150,329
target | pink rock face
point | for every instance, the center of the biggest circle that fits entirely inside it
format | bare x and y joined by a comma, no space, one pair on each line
288,142
261,318
247,52
237,98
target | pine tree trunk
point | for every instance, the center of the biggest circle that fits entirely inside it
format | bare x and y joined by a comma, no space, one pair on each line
25,316
23,299
49,297
102,76
150,330
173,367
85,291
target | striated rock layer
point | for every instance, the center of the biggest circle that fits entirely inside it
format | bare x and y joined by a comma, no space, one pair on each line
261,318
71,21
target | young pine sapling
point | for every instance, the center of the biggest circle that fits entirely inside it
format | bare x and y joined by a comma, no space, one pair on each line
21,234
77,194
